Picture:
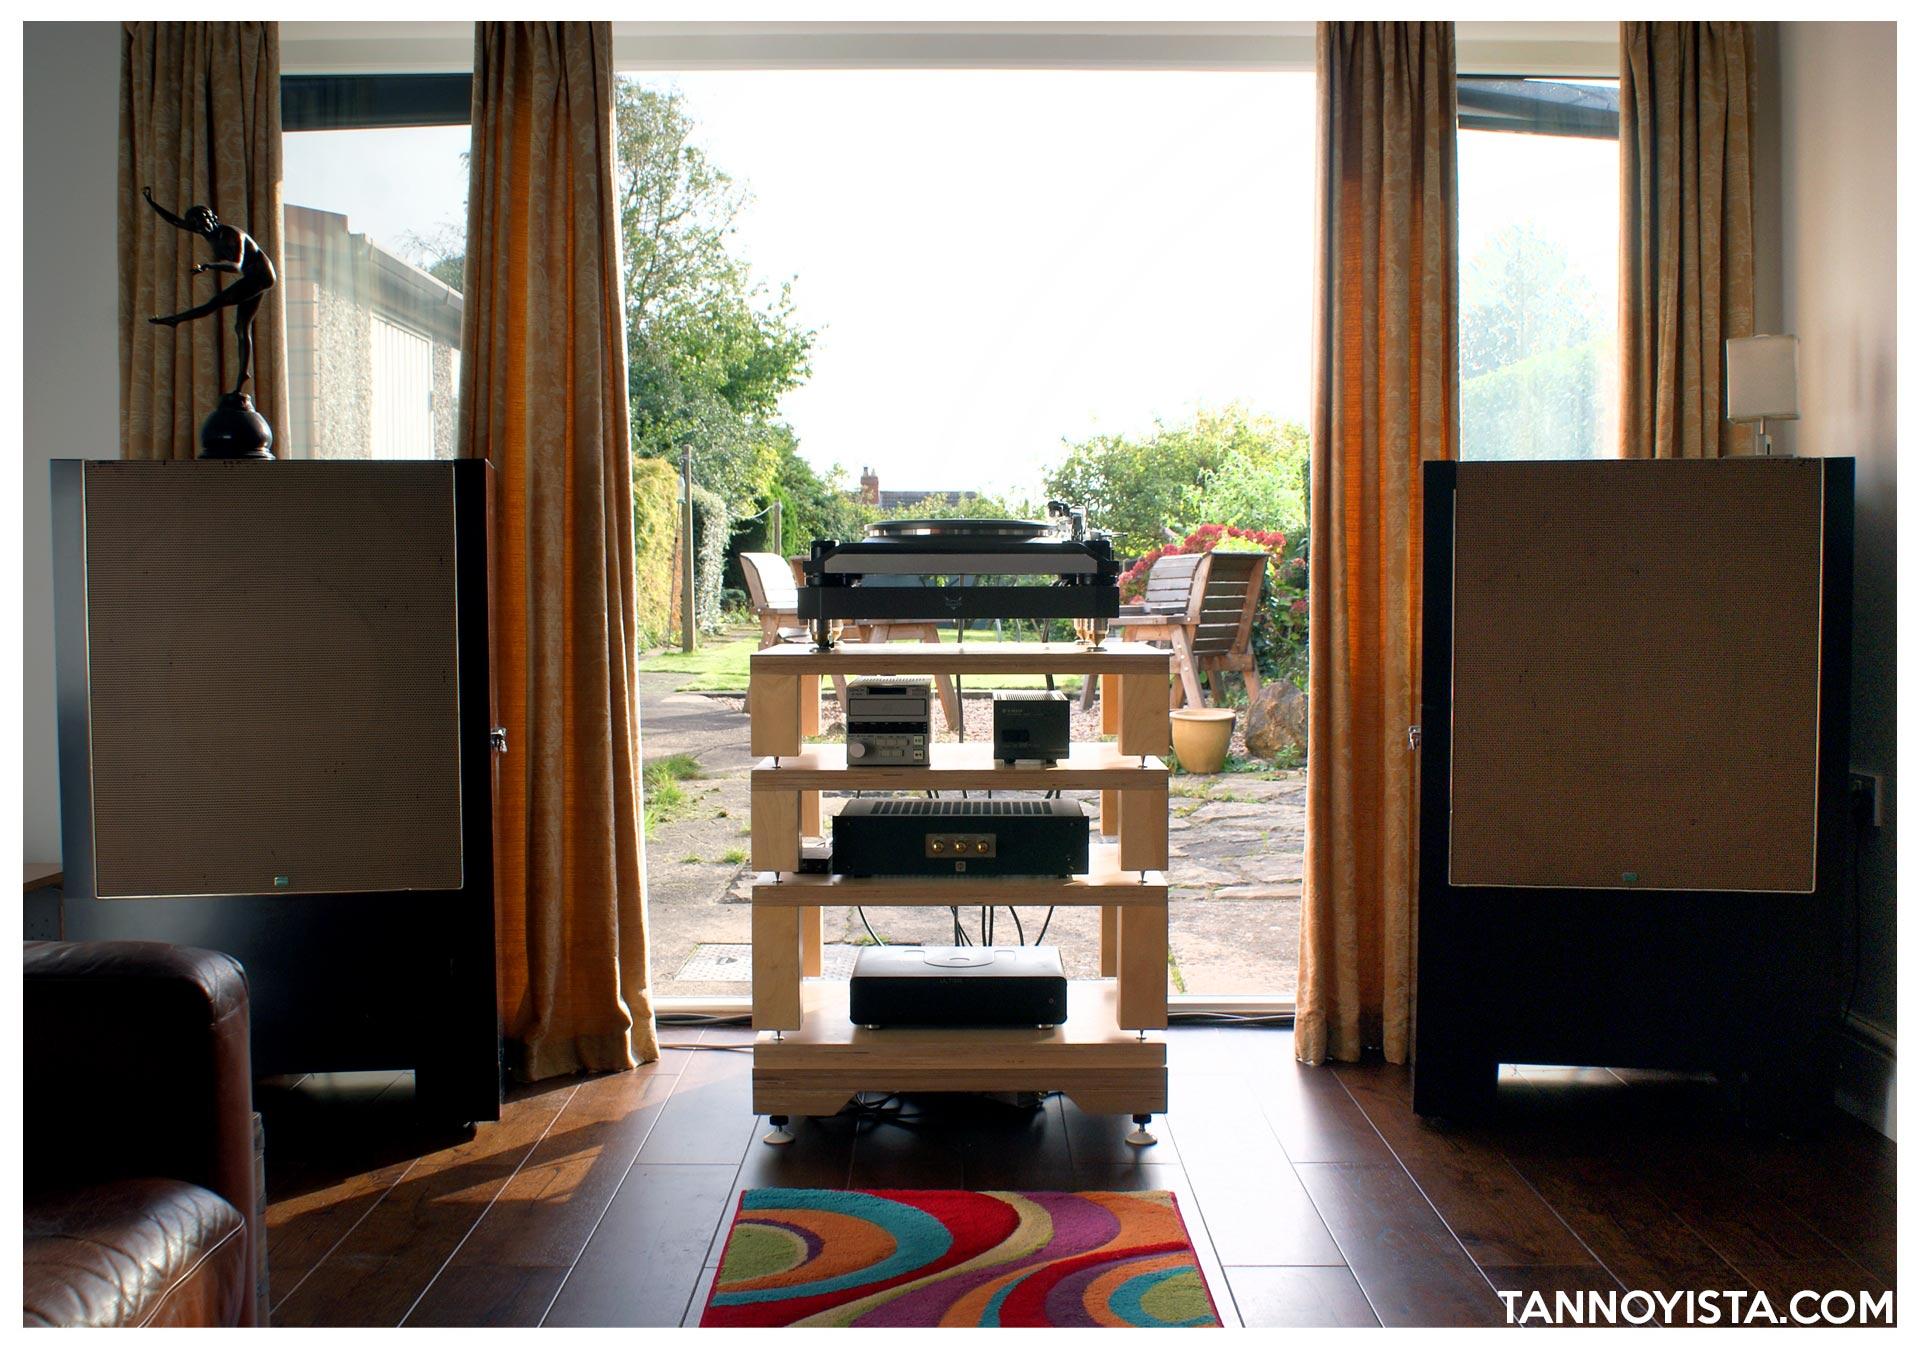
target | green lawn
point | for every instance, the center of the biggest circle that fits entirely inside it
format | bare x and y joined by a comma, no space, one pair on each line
721,664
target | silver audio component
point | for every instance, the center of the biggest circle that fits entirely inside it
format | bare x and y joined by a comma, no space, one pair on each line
889,722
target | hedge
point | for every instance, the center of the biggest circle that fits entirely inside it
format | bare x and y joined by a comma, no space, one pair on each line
656,529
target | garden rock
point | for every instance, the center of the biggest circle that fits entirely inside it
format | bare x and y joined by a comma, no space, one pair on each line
1277,721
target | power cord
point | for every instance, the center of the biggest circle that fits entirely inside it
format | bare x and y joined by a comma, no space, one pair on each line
690,1045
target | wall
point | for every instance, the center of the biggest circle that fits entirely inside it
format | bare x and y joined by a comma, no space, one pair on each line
70,326
1837,286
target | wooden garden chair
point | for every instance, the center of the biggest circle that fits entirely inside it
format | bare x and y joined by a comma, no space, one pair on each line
773,597
773,592
1203,606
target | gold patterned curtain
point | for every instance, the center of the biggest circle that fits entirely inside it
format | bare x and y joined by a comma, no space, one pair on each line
1687,127
544,397
200,125
1386,396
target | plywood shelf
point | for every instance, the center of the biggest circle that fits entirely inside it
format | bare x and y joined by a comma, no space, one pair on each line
830,1040
960,658
1090,1057
1104,884
962,767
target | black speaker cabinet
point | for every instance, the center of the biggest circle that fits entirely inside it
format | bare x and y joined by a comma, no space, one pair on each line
1633,772
274,732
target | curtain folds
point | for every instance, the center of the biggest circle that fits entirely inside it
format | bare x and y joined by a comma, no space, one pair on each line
544,398
1386,398
1687,130
200,125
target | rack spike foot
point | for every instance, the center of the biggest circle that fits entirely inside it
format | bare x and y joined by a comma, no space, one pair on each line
1141,1136
779,1134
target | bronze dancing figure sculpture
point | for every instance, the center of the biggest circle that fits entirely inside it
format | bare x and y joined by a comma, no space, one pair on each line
235,429
233,251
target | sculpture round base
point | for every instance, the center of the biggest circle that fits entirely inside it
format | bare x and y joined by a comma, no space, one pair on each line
235,430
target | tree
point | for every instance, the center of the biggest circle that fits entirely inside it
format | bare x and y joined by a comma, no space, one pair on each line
1229,465
1522,298
709,350
442,250
814,505
441,253
1529,354
1259,486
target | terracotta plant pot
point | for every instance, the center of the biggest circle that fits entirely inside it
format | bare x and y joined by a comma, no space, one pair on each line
1201,736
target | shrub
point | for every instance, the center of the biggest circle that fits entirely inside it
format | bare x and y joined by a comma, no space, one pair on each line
712,527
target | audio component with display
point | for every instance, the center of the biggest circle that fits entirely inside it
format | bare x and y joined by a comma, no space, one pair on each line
957,987
922,837
889,722
1031,724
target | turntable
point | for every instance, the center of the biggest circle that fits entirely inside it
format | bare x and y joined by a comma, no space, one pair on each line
949,555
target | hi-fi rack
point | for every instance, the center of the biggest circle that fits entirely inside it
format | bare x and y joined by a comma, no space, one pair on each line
1108,1056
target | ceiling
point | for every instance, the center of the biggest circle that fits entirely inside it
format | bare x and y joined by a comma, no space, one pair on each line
1485,47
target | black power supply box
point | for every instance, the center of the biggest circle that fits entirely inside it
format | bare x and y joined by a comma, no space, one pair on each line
1032,724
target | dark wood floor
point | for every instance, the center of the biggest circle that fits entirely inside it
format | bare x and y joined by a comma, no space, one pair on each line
1314,1196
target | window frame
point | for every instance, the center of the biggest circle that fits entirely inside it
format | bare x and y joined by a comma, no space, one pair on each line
1543,49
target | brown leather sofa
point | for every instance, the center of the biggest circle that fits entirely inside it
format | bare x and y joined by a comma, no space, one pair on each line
138,1141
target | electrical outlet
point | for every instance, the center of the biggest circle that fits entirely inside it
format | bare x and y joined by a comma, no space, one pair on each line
1865,783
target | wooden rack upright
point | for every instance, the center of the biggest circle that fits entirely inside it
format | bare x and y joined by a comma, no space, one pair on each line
809,1058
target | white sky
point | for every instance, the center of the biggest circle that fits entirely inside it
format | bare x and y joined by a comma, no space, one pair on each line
1000,260
387,182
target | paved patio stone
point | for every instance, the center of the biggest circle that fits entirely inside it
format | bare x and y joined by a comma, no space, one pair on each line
1258,892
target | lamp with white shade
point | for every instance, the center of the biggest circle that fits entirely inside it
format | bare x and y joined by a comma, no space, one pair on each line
1763,382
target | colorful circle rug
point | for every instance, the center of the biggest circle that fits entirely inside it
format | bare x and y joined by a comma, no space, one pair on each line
958,1259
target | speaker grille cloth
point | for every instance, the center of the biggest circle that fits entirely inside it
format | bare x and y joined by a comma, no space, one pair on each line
273,678
1636,674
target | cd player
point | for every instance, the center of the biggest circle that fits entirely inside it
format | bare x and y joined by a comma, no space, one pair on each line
958,987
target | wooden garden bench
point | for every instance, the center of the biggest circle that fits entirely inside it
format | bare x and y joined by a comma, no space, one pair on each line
1203,606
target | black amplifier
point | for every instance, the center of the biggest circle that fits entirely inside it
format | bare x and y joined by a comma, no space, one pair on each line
932,837
957,987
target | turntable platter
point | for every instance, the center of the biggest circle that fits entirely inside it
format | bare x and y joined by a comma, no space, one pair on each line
1002,530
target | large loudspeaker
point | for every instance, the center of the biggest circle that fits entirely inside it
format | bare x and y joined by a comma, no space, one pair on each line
1636,674
275,741
273,683
1634,717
